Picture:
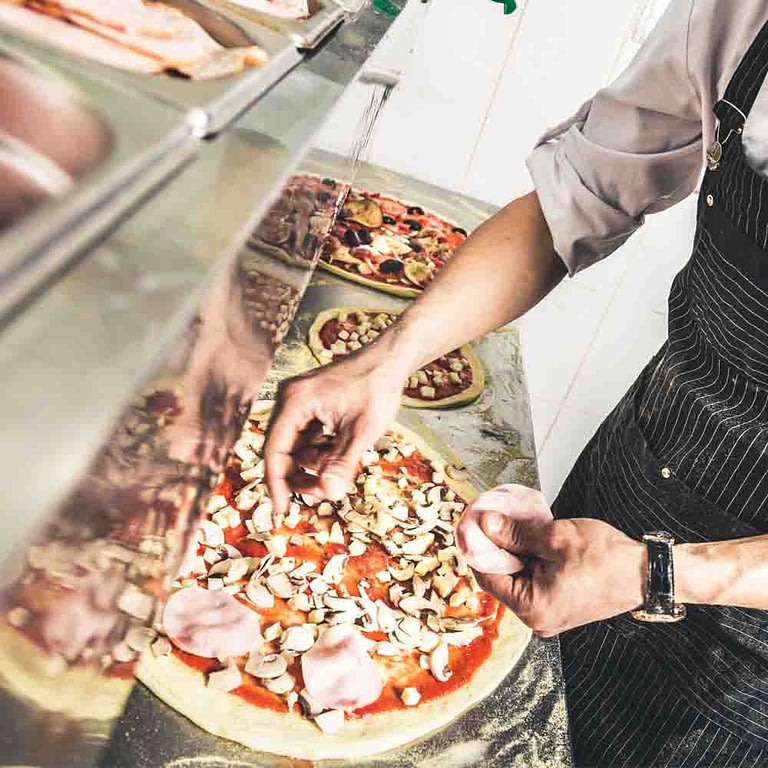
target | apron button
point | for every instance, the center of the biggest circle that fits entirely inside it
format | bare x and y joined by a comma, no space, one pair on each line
710,200
666,473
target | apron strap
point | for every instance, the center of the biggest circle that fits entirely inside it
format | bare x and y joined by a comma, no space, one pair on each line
732,110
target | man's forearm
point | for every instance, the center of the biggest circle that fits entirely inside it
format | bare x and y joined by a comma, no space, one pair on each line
723,572
501,271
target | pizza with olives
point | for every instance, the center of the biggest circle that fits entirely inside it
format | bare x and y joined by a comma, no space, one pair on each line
334,629
296,225
389,245
456,378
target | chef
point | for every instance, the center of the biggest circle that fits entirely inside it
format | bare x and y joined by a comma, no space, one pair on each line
655,570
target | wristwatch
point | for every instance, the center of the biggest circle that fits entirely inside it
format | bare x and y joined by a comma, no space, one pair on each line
660,605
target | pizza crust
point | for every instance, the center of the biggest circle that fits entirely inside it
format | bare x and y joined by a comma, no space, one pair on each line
396,290
460,398
293,735
289,733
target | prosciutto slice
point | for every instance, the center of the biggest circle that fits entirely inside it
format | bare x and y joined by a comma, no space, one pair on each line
72,39
514,501
338,672
212,624
130,34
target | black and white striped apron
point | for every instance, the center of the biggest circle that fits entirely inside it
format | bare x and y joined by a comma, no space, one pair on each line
686,451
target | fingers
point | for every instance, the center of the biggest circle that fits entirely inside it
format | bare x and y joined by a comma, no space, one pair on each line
529,537
338,469
516,592
284,433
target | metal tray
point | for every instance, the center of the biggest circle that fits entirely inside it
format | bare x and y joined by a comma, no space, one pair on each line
208,105
304,33
147,143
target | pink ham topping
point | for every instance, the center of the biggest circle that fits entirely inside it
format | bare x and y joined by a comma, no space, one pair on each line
515,501
338,672
212,624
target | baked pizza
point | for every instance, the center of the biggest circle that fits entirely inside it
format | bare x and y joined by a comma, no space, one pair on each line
298,222
453,379
338,629
389,245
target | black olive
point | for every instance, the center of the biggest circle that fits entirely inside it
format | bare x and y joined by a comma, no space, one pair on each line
391,267
415,245
413,224
351,239
309,243
344,213
365,236
387,219
460,231
329,183
414,209
323,197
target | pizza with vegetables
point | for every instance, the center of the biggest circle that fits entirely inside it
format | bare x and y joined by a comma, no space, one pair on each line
453,379
296,225
335,630
389,245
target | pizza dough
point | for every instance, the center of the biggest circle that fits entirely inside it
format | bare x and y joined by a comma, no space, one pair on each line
230,715
465,353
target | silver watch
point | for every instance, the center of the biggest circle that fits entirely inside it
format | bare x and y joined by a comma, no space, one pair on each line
660,602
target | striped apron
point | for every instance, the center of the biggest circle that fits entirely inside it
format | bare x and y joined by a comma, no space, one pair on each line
686,450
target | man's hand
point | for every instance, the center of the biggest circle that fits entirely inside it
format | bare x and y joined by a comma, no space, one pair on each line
324,420
580,571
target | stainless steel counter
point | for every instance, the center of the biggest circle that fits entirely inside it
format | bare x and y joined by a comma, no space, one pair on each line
524,722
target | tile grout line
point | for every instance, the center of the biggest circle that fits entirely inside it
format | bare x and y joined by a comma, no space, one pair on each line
494,93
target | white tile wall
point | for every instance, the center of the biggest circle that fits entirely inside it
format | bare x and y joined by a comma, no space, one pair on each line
480,89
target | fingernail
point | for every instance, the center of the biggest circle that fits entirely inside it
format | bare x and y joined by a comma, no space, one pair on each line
493,522
335,486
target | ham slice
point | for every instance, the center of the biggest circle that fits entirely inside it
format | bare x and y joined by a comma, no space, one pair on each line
338,672
48,29
212,624
515,501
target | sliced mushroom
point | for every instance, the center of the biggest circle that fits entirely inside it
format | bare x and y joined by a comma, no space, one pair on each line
386,617
225,679
298,639
262,517
438,662
385,648
280,685
210,533
341,604
410,696
258,594
140,638
277,545
463,638
273,631
280,585
237,570
413,605
334,569
161,646
428,640
419,545
269,667
401,574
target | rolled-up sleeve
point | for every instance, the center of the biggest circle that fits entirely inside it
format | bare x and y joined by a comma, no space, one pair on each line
634,149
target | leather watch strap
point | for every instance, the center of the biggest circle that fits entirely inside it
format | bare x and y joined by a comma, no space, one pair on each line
660,602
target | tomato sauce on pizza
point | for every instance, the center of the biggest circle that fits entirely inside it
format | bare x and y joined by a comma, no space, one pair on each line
380,565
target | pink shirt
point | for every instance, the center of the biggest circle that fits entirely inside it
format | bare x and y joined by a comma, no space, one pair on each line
638,146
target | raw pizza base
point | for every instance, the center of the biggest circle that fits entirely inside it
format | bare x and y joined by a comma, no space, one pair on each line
290,734
460,398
